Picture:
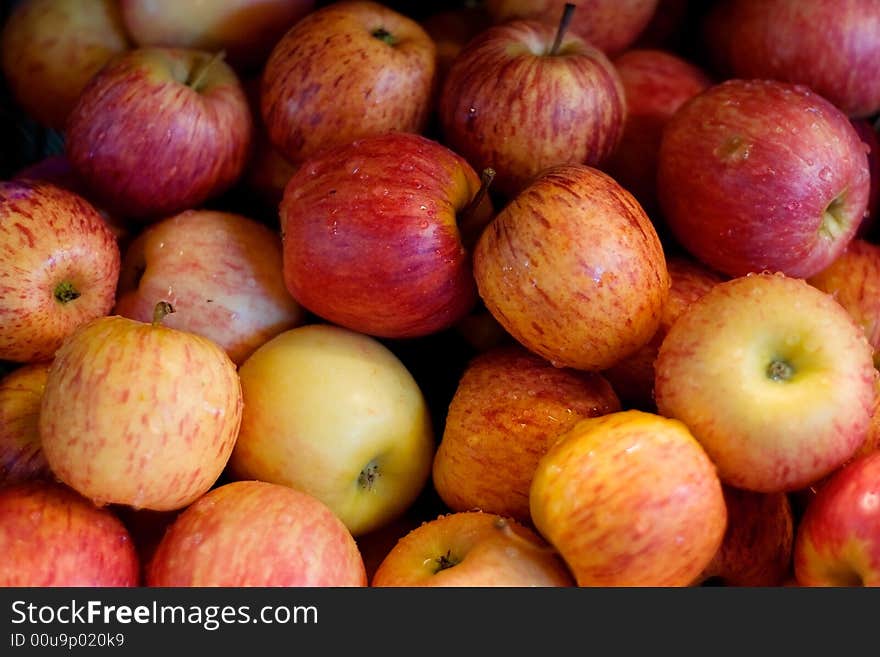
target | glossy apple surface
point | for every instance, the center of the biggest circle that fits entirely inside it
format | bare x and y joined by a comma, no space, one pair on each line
758,175
472,549
21,392
59,266
50,536
221,272
336,414
630,499
139,414
773,377
253,533
573,269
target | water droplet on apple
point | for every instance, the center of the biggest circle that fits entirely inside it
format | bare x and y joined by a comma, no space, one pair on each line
406,167
424,225
161,245
423,207
826,174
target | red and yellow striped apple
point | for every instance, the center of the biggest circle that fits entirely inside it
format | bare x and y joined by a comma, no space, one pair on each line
21,453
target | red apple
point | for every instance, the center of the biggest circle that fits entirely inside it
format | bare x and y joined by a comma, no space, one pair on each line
789,40
253,533
629,499
51,536
472,549
222,274
451,30
633,377
519,101
573,269
348,70
371,240
757,545
868,133
773,377
246,30
21,456
656,83
140,414
761,175
610,25
508,408
159,131
838,539
59,266
51,48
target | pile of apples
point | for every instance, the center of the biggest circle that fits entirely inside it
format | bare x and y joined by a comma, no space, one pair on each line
513,293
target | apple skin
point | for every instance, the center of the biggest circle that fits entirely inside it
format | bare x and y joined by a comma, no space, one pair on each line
573,269
633,377
773,377
254,533
571,110
838,539
508,408
222,273
759,175
343,211
49,49
788,40
629,499
655,83
472,549
139,414
59,266
21,456
451,30
50,536
853,279
610,25
758,543
336,414
147,144
314,96
868,134
246,30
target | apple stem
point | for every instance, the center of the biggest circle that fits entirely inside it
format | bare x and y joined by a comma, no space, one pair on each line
504,527
469,226
198,74
564,22
162,309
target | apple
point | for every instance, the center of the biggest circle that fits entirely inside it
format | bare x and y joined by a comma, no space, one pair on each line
254,533
480,330
375,235
50,536
508,408
773,377
610,25
573,269
59,266
139,414
246,30
159,131
853,279
222,274
633,377
472,549
758,175
49,49
868,134
451,30
21,456
758,542
788,40
838,539
656,83
336,414
348,70
629,499
669,27
525,96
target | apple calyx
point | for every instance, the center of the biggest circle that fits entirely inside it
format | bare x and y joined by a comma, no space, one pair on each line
161,309
197,74
779,370
834,221
445,561
468,225
564,22
65,292
368,476
384,35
